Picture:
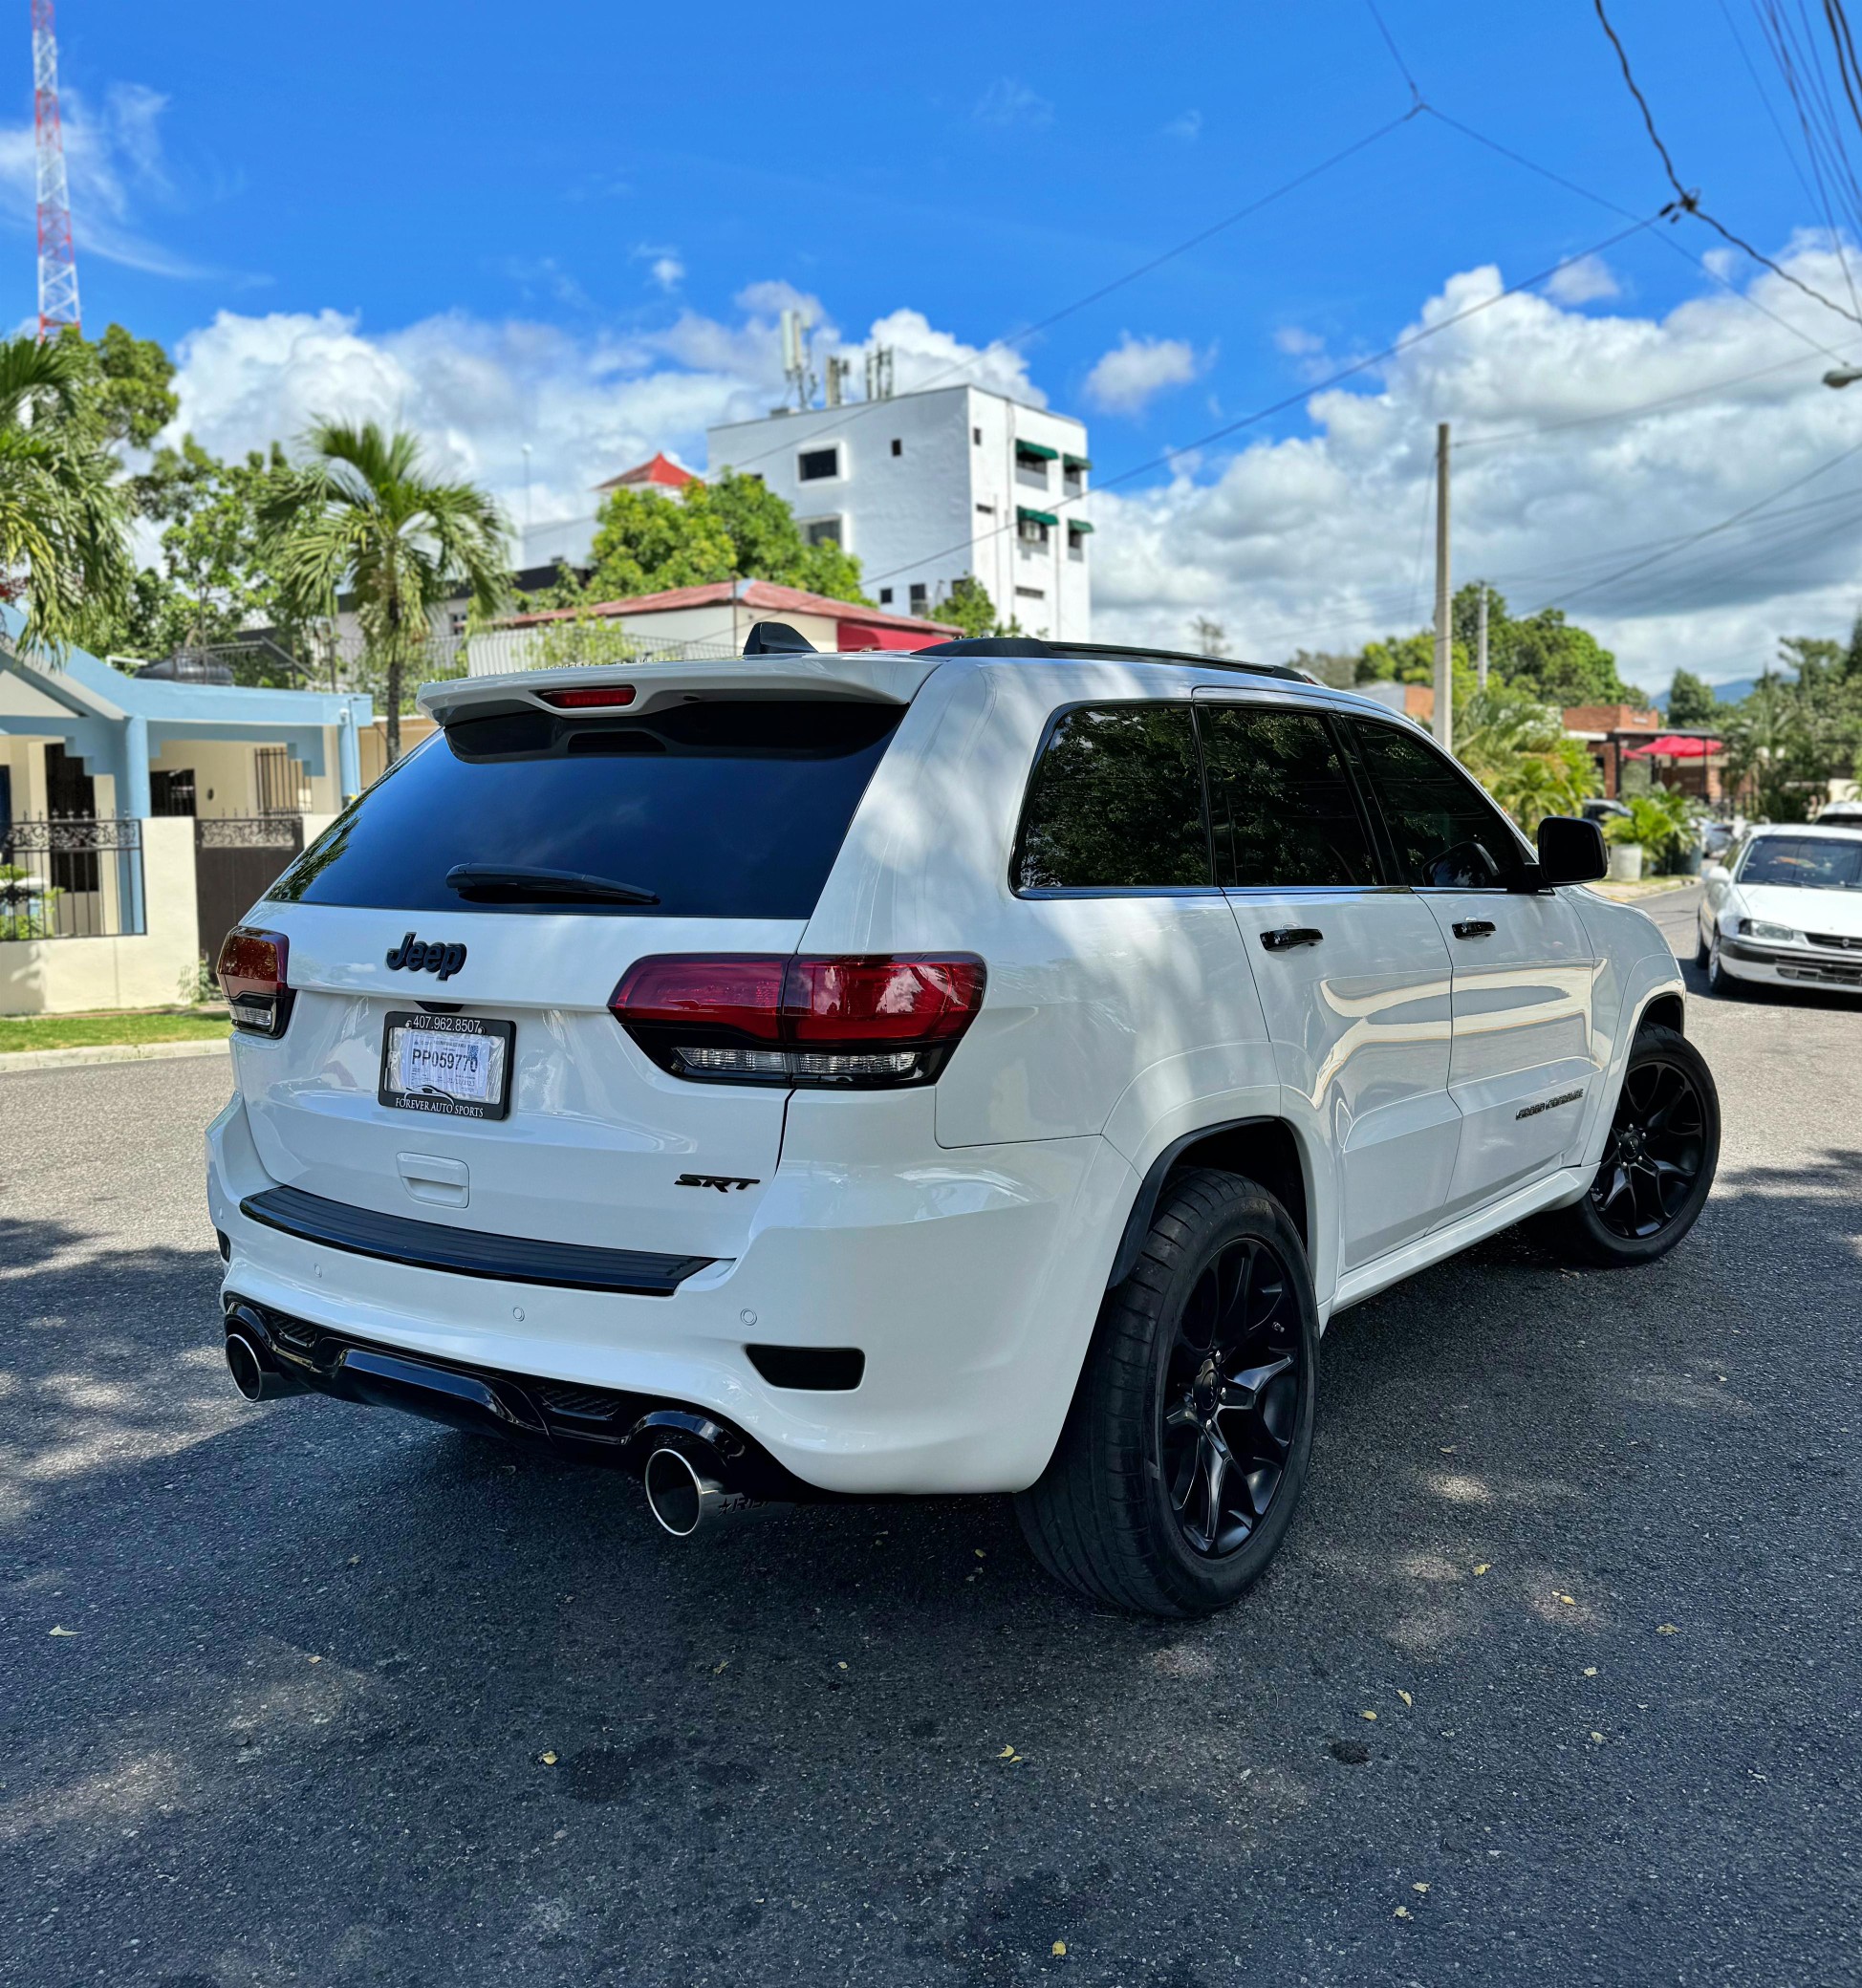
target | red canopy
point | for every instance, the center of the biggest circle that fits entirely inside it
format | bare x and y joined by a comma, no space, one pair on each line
1674,745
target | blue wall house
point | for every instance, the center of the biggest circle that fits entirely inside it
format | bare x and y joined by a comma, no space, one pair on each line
135,811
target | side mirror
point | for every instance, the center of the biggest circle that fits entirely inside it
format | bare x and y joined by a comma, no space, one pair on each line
1571,851
1713,872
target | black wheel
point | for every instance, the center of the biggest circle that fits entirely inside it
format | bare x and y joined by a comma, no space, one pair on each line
1718,979
1659,1160
1702,949
1185,1450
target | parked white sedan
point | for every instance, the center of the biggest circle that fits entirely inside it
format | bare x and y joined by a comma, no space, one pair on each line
1787,912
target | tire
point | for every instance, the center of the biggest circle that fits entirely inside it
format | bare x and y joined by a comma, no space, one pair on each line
1123,1514
1718,980
1701,950
1667,1118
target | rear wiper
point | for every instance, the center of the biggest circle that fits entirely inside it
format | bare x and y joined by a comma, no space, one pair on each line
520,880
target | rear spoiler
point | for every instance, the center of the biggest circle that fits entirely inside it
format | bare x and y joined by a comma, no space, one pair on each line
888,676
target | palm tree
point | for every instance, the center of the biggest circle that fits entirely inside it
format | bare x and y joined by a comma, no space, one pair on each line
1516,747
362,516
64,521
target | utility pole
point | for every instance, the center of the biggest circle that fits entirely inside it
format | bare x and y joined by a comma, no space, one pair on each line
1480,648
1444,719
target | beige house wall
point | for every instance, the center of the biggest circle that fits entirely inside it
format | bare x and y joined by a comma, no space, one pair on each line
156,970
372,745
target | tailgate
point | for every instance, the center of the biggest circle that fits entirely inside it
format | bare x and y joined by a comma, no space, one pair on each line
597,1140
507,872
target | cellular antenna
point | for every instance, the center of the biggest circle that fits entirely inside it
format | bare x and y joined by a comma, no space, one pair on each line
57,265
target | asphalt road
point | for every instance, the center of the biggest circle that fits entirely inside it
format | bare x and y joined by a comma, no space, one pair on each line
311,1693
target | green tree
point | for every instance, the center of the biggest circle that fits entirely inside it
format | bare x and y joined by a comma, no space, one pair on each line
213,581
732,527
1793,734
363,514
1692,705
126,383
968,606
1557,660
64,524
645,543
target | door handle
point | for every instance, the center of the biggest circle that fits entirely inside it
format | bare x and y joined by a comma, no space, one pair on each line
1284,938
1473,928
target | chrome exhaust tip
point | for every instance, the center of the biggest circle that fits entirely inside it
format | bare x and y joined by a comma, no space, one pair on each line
247,1367
254,1372
683,1497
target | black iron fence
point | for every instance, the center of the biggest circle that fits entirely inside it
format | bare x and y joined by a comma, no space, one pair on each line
72,880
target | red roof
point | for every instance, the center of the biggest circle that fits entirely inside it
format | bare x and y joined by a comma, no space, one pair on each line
763,595
661,472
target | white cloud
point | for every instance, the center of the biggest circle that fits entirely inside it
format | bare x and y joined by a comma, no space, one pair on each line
1187,126
115,169
1126,378
667,271
924,357
1587,281
1006,102
1320,541
589,406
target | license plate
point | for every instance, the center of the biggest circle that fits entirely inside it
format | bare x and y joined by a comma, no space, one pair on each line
452,1066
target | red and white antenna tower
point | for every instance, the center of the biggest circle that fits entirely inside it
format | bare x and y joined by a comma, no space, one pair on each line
57,265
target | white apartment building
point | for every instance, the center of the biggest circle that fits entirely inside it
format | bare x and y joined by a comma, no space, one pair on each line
925,488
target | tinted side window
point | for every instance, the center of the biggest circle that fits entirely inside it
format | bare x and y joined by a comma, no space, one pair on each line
1115,803
1281,806
1446,832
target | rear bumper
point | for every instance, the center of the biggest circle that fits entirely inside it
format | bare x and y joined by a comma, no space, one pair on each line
970,1282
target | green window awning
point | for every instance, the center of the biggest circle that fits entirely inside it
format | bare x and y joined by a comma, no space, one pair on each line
1025,516
1038,450
1079,525
1077,461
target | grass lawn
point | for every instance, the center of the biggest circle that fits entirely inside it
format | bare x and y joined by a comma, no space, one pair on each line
89,1032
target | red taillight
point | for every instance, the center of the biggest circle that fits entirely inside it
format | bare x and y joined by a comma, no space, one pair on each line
740,990
605,697
800,1019
253,977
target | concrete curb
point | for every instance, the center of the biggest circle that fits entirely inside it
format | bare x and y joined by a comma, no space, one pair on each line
109,1053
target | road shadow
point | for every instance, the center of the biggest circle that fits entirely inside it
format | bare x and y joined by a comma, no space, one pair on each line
515,1733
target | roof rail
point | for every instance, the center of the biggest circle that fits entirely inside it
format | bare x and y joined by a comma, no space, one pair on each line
1102,652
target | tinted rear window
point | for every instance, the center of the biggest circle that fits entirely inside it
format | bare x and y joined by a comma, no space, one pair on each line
723,810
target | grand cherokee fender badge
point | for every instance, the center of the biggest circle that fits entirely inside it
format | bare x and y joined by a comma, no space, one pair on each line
431,956
723,1183
1551,1103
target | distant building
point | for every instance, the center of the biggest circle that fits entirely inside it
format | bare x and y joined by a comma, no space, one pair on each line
660,474
930,487
697,622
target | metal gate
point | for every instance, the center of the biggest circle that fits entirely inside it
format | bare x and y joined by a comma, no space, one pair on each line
237,858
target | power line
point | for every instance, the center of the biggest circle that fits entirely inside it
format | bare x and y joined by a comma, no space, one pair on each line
1396,54
1689,199
1618,414
1306,392
863,408
1822,149
1667,241
1710,530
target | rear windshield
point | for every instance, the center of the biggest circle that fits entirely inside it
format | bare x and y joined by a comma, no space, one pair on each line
719,810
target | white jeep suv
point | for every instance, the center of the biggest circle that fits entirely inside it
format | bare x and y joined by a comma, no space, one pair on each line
982,1069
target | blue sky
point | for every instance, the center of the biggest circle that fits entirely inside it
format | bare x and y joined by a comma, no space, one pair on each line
601,191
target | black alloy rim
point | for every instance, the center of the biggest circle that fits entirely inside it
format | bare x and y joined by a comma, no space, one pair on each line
1657,1146
1231,1397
